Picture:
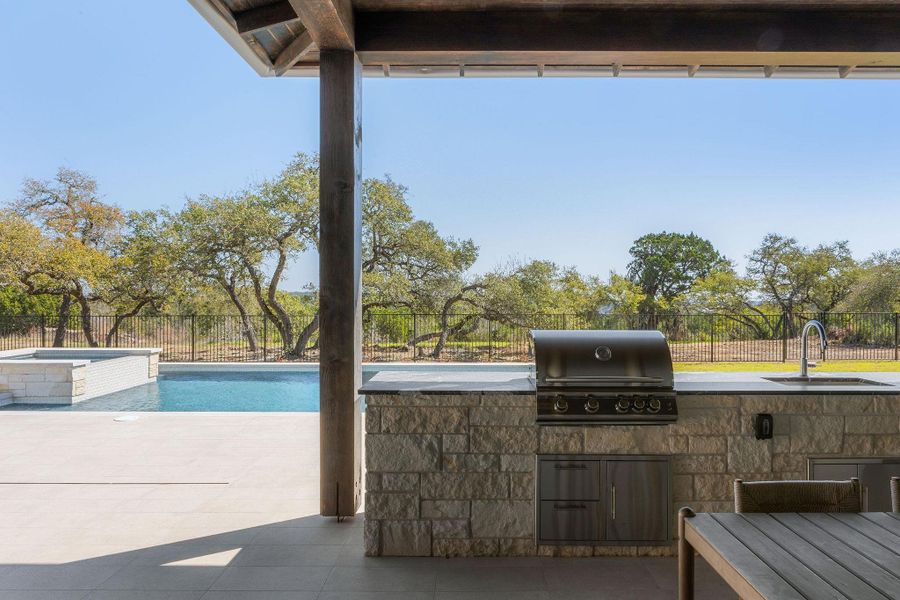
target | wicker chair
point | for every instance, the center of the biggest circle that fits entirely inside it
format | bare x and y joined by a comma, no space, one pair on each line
797,496
895,494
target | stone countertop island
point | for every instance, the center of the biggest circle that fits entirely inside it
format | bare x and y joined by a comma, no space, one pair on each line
450,457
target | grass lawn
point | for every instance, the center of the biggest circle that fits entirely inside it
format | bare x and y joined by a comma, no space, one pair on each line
792,366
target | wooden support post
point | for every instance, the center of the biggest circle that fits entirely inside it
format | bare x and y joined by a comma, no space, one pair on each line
340,303
685,559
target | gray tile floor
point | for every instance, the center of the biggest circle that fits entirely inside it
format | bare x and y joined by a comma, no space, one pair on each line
206,506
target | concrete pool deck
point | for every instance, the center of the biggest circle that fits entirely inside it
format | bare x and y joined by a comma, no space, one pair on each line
224,506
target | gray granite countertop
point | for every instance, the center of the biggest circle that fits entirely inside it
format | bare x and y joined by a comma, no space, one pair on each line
522,382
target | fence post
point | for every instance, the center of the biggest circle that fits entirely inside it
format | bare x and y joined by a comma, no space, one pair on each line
43,331
784,337
896,336
490,340
116,336
193,334
265,336
712,338
415,334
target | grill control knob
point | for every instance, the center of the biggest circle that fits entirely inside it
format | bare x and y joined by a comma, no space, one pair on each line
622,405
592,405
560,405
654,405
638,404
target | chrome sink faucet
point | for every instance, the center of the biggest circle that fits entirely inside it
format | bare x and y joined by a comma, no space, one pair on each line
804,344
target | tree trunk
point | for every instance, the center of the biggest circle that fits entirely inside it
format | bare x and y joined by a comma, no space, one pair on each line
284,327
86,324
301,348
65,311
119,319
246,322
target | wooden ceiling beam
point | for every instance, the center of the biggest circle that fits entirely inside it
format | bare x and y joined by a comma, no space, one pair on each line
396,37
329,22
263,17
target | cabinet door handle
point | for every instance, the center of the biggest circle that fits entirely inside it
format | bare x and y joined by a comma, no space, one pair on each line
569,506
570,466
612,501
865,498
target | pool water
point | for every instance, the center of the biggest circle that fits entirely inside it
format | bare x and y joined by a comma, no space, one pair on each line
244,391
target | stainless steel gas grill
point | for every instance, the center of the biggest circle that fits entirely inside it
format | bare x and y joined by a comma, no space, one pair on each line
604,377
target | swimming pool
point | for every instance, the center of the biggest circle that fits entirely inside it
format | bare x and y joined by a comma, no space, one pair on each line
236,391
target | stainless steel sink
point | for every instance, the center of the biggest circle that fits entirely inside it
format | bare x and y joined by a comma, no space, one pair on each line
835,381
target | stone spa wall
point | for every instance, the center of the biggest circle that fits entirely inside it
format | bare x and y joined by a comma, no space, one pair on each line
453,475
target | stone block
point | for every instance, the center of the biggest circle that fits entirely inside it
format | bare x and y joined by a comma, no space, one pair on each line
517,462
887,444
417,419
717,444
464,486
502,518
447,529
781,444
713,487
871,424
683,487
400,482
513,440
380,505
457,463
749,455
859,445
372,538
706,463
445,509
451,548
503,416
373,482
406,538
627,440
787,463
492,400
561,440
887,404
707,401
787,404
706,421
402,452
456,443
516,547
678,444
817,434
521,485
373,419
848,405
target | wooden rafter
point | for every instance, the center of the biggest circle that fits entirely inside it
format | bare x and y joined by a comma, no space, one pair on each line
294,51
263,17
329,22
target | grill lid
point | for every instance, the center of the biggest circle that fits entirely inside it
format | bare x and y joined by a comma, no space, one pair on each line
586,360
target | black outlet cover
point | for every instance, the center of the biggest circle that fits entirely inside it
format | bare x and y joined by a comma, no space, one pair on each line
763,426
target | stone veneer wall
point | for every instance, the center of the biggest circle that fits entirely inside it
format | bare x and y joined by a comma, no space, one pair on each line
454,475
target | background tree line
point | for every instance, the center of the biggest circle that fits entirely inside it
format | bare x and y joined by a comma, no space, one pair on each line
68,254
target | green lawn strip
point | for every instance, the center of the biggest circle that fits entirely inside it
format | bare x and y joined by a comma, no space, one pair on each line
858,366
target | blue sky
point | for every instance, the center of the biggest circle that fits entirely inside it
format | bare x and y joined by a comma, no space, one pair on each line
158,107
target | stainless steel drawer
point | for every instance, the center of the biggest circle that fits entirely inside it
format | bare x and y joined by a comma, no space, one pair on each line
570,521
570,480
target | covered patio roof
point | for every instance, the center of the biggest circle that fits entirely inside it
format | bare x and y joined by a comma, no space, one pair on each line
551,38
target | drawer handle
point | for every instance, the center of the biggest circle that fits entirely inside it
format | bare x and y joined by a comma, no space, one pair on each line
569,506
581,466
612,501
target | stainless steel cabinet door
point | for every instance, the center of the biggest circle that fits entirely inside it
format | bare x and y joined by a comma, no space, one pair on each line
836,472
637,500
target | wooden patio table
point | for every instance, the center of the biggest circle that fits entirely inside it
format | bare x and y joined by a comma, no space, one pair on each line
794,556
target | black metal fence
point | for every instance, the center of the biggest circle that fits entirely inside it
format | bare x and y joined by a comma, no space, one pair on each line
389,337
